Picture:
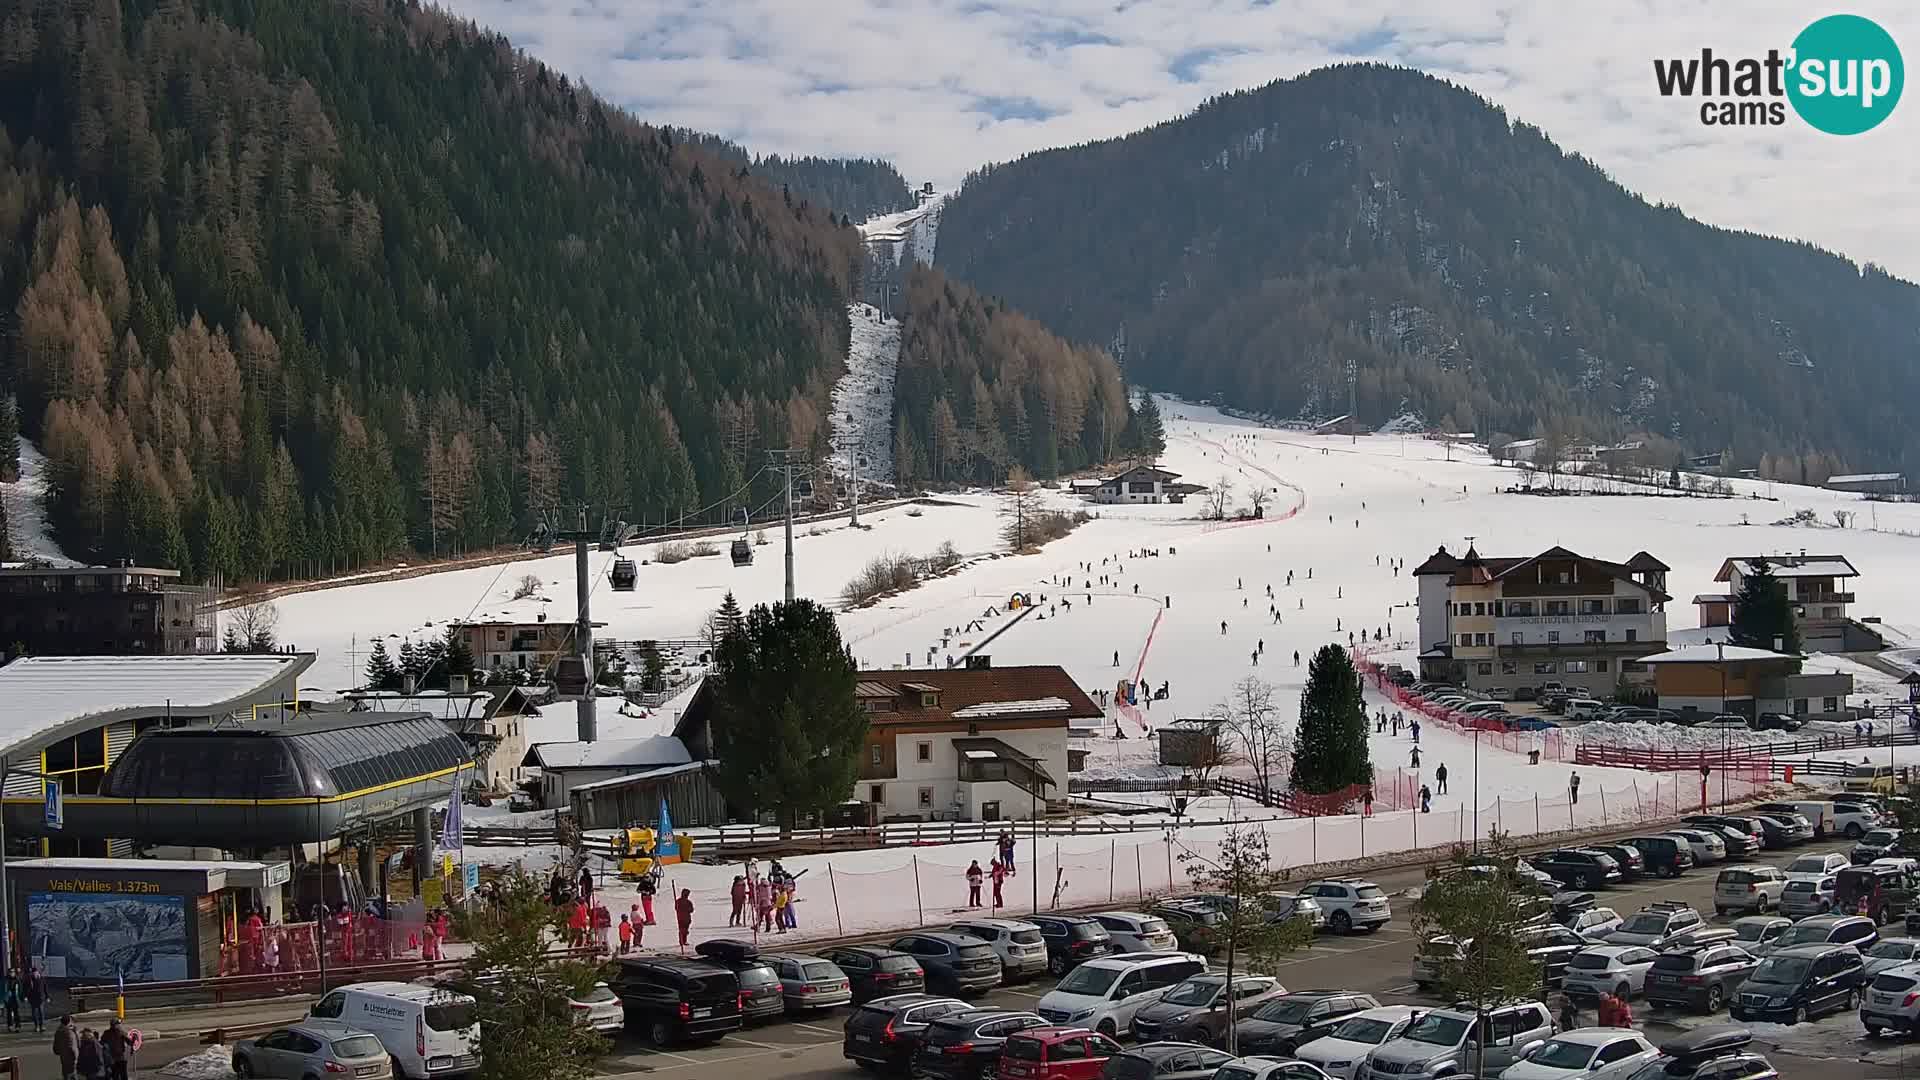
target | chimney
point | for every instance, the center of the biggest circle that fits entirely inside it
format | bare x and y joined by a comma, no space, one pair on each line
1779,644
409,685
456,684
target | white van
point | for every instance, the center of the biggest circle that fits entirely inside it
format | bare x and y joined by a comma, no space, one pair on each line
430,1032
1104,994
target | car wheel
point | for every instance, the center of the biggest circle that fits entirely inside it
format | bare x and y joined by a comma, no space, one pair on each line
1799,1015
660,1033
1715,998
242,1068
1340,923
1107,1028
1880,917
1854,831
1582,881
1056,966
1623,991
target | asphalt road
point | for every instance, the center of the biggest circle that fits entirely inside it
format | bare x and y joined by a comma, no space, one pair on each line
1835,1048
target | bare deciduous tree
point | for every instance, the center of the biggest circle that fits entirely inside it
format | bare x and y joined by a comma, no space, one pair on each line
1020,506
1219,498
528,585
250,628
1258,497
1257,730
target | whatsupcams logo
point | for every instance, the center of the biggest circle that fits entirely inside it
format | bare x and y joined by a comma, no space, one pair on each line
1842,75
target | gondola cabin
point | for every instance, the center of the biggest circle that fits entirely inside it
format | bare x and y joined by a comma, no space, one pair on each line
572,680
742,552
623,575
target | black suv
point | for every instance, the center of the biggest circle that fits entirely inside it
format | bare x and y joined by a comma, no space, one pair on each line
761,996
876,971
1633,864
676,999
1578,868
965,1045
886,1033
1698,977
956,963
1071,940
1802,982
1666,856
1282,1025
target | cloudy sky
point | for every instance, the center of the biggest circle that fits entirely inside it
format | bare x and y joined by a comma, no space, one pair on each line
941,86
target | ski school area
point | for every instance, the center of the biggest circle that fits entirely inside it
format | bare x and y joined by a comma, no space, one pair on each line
1156,613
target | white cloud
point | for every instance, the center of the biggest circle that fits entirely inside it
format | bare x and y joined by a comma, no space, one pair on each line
940,87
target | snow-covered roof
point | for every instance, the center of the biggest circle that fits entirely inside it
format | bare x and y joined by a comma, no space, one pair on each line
1709,654
40,696
642,774
1004,708
1792,566
609,753
1865,478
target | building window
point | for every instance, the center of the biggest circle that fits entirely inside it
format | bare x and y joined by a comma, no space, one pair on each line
1546,667
1576,667
1831,704
1596,637
1463,609
1466,639
1498,609
1559,607
1627,605
928,701
1520,608
1509,667
1600,666
1633,635
499,635
873,752
1632,665
1593,607
926,796
1479,609
877,793
1800,706
1486,669
1553,637
1564,577
923,751
1483,639
1518,637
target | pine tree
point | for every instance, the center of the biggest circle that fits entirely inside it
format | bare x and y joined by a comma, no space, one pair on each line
786,729
653,666
382,673
457,658
1762,614
413,663
9,439
1330,750
1149,431
727,618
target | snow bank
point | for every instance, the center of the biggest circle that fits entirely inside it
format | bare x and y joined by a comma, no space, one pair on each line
213,1063
25,500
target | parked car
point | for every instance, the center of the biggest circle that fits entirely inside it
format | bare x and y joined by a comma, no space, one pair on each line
1290,905
1197,1010
1854,820
1748,887
1585,708
1283,1025
886,1031
875,971
1655,923
1595,1053
966,1045
1698,977
1437,1043
1855,930
954,963
1889,953
1549,945
1892,1000
1595,923
1018,944
1739,836
1794,985
1192,924
810,982
1783,830
1817,864
1715,1052
1071,940
1340,1052
1351,904
1055,1053
1725,720
1667,855
1706,847
1757,933
1633,864
1579,867
1165,1061
762,997
1620,970
1778,721
312,1049
1268,1068
1133,931
676,999
1105,994
1818,812
1881,891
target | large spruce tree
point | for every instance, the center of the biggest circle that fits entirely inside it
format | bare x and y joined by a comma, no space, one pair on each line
1762,614
785,727
1330,749
382,672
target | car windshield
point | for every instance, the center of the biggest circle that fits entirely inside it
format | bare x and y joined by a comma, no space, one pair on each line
451,1016
1646,924
1803,934
1879,838
1439,1029
1782,969
1562,1054
1193,992
1285,1011
1090,979
1891,950
357,1046
1364,1029
1751,931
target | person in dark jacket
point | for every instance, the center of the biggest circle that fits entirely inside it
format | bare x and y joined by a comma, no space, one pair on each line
11,993
89,1060
66,1046
36,991
118,1048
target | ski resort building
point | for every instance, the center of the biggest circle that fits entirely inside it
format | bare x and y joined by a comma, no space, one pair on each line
522,646
1883,483
1511,622
104,611
1716,679
1144,484
1818,588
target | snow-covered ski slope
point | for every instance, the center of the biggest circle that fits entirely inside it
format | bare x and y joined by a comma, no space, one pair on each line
26,513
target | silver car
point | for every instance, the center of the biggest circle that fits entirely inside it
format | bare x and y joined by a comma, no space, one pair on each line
1889,953
1620,970
809,982
1804,896
314,1048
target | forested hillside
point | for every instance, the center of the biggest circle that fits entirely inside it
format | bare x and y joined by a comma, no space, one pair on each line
982,387
1460,264
288,286
858,188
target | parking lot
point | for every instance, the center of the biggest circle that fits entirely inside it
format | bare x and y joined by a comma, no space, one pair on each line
1378,963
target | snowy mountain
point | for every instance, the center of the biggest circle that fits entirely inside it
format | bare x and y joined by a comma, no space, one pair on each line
26,518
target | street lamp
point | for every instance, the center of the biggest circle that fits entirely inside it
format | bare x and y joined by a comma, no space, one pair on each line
1720,652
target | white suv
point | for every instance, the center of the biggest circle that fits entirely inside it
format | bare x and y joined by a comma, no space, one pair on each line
1350,904
1133,932
1892,1000
1105,994
1021,949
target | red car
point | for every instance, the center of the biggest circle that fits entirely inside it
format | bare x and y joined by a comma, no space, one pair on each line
1055,1053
